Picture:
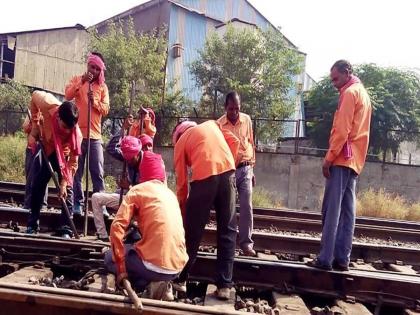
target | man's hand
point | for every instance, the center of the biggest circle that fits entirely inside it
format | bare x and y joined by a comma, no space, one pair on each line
128,122
143,112
254,182
326,169
87,77
32,143
124,183
63,190
90,96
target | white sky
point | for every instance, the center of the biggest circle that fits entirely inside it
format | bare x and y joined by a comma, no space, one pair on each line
384,32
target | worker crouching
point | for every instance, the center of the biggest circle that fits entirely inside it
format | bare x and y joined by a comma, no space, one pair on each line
160,255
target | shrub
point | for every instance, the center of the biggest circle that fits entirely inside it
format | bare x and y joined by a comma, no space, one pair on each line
12,158
263,198
380,203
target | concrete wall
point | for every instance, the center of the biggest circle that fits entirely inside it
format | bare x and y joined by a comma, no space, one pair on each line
297,180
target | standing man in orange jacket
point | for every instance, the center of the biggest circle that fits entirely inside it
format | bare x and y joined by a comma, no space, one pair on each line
210,154
343,163
78,89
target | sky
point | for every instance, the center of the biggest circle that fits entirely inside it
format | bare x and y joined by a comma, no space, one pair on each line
362,31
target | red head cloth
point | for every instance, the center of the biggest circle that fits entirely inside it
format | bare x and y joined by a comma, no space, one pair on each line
151,114
97,61
130,147
151,167
145,140
181,128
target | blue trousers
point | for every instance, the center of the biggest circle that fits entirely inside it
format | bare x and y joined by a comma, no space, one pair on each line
246,221
96,168
338,216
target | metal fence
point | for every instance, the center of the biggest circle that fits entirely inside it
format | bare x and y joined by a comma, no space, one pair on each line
283,136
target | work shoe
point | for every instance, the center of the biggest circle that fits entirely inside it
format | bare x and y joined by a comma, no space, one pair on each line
160,290
317,264
340,267
31,230
180,286
249,251
103,239
223,293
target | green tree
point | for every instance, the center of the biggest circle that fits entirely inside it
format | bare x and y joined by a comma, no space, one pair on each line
139,57
13,97
395,96
258,64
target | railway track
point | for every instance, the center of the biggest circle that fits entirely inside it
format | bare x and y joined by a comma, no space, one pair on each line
380,289
294,246
277,219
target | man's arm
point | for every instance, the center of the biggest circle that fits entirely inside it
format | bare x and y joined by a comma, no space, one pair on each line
233,143
113,147
73,87
343,121
118,228
102,104
251,140
181,173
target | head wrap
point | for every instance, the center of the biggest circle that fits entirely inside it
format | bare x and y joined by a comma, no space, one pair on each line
130,147
97,61
145,140
181,128
151,167
151,114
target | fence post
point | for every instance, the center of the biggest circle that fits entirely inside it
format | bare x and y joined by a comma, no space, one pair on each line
296,136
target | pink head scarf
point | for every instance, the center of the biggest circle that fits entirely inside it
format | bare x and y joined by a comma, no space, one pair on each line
181,128
97,61
130,147
145,140
151,167
151,114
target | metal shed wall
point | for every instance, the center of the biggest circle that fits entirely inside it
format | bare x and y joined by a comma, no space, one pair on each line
48,59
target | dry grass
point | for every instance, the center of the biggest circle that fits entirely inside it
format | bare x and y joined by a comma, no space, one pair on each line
265,199
380,203
12,158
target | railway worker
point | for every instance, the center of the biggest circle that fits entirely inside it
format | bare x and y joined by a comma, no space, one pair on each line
147,116
61,139
241,126
111,200
29,157
345,158
160,255
90,86
205,149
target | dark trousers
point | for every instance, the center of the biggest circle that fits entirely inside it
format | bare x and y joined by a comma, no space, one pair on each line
217,191
29,158
96,168
138,274
40,179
